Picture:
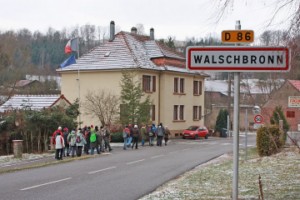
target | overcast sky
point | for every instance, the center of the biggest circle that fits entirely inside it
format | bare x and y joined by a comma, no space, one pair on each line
177,18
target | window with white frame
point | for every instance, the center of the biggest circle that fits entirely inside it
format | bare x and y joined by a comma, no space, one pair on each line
197,112
178,112
149,83
197,88
178,85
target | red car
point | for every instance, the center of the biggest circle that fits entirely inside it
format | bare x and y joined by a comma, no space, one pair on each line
195,132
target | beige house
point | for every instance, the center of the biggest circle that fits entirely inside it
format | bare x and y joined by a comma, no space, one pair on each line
177,93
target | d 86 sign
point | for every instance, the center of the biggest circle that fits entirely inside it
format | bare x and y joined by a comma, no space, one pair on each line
238,36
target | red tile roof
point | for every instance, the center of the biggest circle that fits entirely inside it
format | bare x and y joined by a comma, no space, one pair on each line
295,83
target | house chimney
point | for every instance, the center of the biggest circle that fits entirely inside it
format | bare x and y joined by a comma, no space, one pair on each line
134,30
112,31
151,33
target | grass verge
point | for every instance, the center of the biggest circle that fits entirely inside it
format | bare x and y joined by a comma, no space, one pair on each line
212,181
42,163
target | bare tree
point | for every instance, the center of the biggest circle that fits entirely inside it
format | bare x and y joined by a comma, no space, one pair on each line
273,38
140,29
292,5
103,105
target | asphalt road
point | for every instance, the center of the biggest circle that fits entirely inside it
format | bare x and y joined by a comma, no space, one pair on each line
121,175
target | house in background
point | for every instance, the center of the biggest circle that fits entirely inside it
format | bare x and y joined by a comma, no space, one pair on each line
34,102
177,93
288,97
253,93
27,86
44,78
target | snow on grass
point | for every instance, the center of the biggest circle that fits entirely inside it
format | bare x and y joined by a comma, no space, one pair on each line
10,159
280,175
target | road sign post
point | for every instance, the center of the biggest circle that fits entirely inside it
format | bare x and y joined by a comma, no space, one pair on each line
236,129
238,59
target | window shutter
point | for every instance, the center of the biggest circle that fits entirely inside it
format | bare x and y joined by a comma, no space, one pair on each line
175,113
200,112
175,85
195,87
181,115
181,85
200,87
153,113
153,83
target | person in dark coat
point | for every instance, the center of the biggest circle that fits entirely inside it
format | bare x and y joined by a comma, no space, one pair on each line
135,136
80,142
87,135
152,131
160,132
167,134
94,144
66,149
106,136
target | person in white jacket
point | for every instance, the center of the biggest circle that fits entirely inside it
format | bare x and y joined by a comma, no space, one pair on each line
59,146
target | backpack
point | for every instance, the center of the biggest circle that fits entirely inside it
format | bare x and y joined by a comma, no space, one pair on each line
72,139
106,133
78,139
93,137
152,131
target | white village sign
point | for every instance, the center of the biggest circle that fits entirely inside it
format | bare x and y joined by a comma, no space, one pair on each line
238,59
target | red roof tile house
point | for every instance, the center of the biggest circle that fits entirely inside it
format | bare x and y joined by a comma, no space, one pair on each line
288,97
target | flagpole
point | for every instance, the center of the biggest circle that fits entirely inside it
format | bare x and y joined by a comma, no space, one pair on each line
78,79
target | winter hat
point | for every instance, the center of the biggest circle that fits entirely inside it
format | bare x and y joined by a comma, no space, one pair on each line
135,126
59,128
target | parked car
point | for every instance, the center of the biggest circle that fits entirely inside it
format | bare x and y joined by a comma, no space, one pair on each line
194,132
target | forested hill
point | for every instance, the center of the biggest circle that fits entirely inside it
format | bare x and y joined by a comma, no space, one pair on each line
24,52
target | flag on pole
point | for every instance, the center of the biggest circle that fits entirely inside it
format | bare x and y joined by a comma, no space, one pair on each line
69,61
72,45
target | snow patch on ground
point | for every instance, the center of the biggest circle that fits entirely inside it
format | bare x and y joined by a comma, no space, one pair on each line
10,159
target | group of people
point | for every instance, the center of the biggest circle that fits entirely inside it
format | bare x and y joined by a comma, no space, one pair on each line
131,135
87,139
90,138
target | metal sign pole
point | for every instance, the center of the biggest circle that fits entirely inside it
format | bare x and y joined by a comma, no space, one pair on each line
236,129
246,133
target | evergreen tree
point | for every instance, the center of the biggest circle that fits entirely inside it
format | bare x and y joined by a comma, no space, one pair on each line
133,110
278,115
221,120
